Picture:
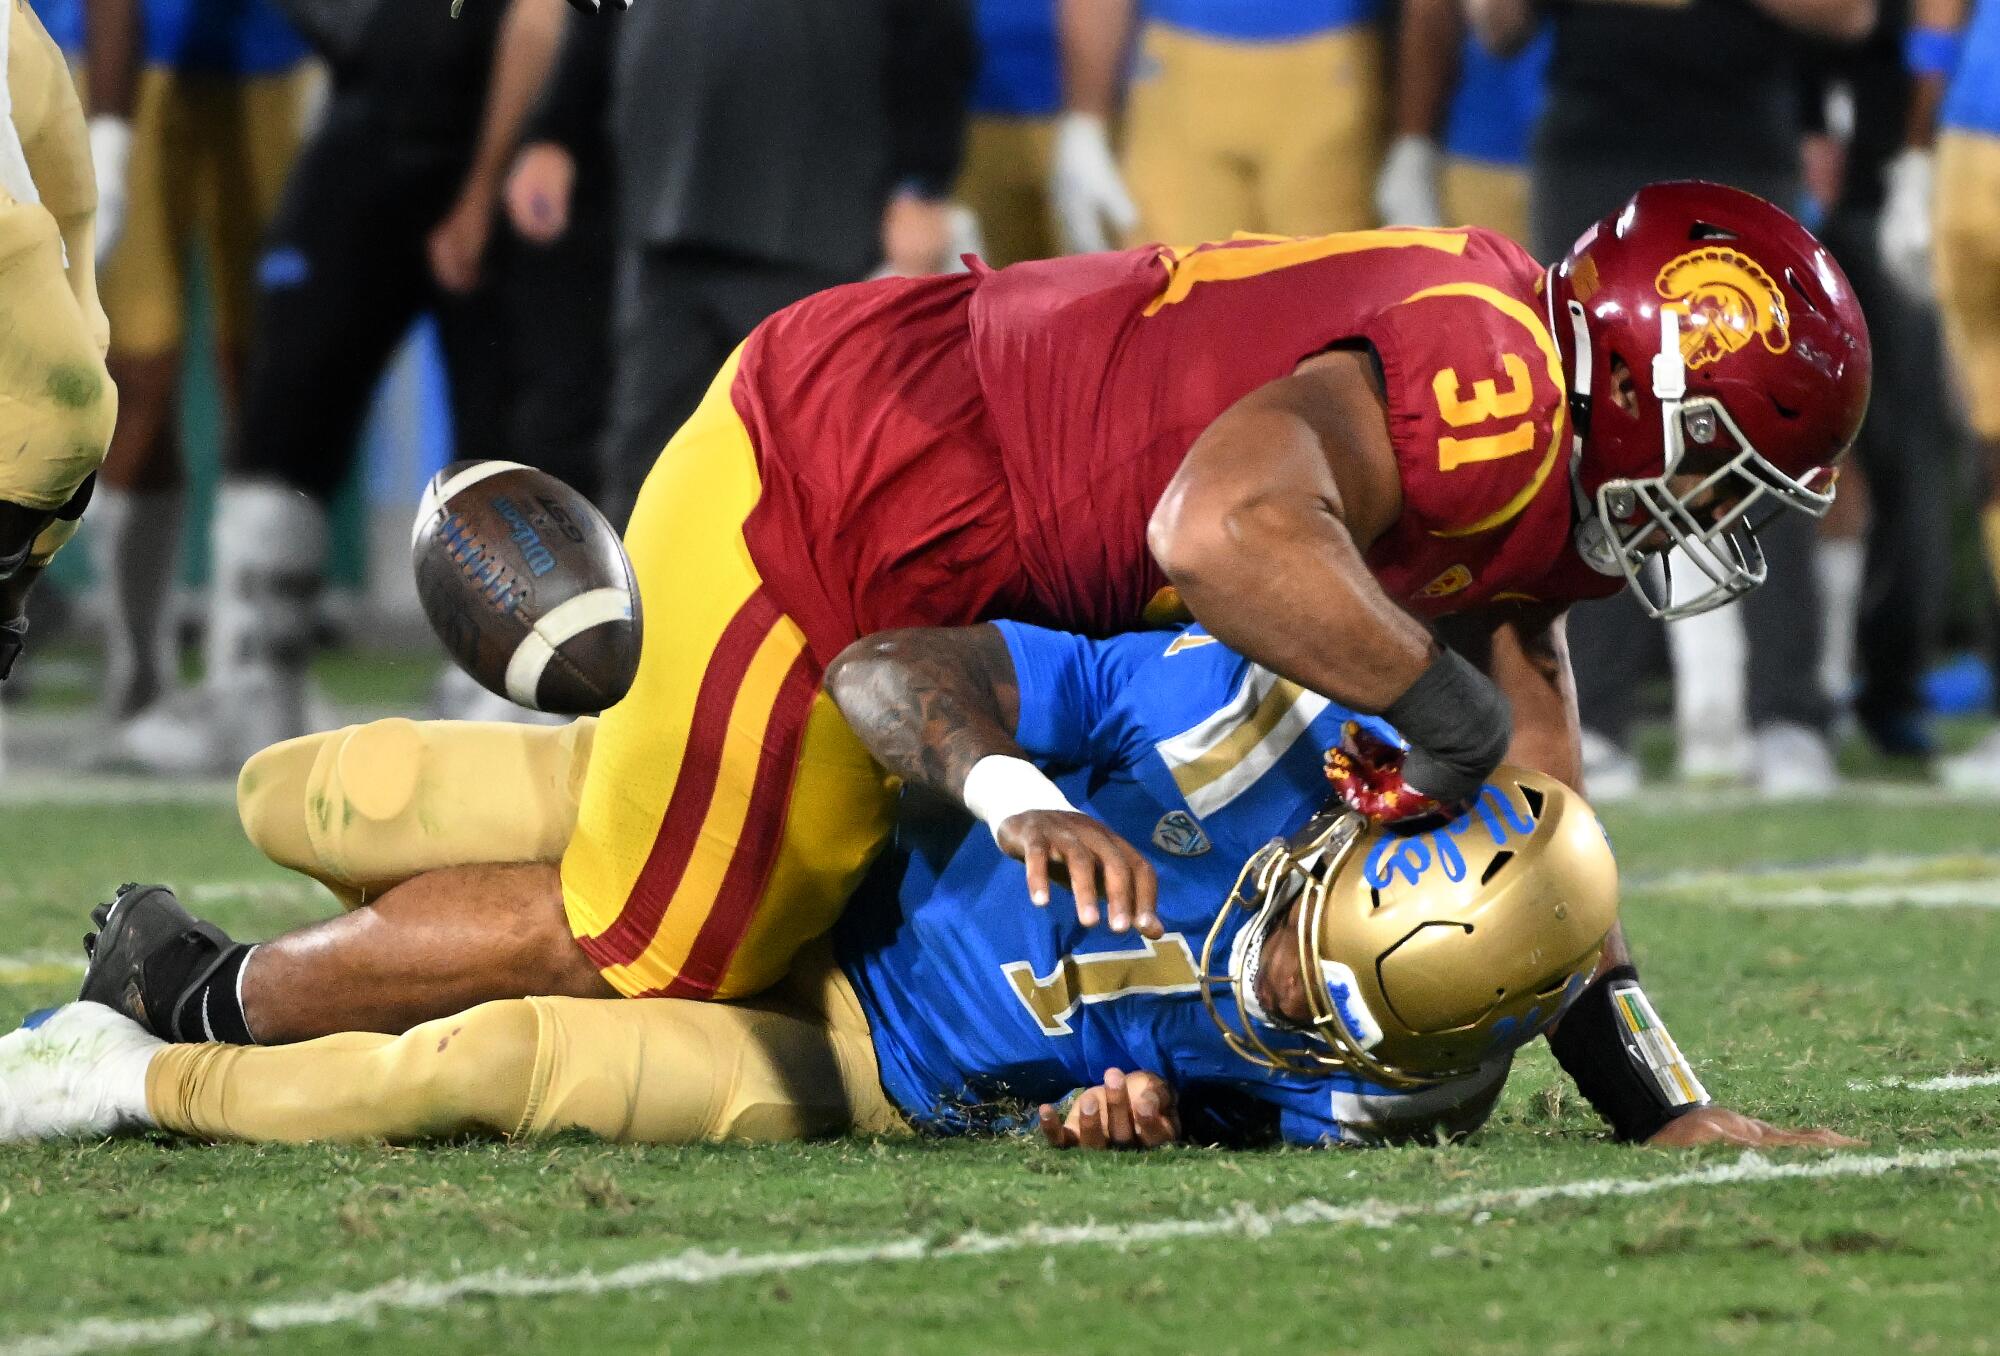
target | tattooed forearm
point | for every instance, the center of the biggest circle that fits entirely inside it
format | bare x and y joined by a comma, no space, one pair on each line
929,704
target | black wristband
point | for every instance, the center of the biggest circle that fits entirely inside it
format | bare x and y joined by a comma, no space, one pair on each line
1613,1045
1458,727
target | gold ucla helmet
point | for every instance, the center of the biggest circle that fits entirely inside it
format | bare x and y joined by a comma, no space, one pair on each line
1433,952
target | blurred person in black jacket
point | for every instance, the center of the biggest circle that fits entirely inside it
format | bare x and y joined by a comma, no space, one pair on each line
1897,585
387,214
763,150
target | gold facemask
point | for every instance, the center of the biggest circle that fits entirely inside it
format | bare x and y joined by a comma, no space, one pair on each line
1426,955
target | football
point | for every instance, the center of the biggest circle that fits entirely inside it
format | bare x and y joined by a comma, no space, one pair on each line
527,586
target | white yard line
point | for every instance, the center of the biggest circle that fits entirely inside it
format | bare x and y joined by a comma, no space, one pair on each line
41,967
1673,800
1886,866
30,789
697,1267
1946,880
1942,1083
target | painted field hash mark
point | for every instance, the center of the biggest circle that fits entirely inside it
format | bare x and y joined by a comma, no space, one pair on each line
698,1267
1944,881
1941,1083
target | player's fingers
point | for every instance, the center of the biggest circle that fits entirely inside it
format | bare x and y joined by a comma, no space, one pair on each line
1117,888
1082,871
1038,872
1087,1120
1053,1130
1117,1107
1145,896
1152,1112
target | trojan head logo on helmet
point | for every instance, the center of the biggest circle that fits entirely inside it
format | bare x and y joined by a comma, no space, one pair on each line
1718,367
1426,956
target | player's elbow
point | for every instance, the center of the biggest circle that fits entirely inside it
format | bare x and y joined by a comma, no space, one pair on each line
861,668
1194,534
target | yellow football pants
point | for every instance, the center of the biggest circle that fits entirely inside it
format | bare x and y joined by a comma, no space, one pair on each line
1006,184
798,1064
1477,193
1968,268
728,811
209,158
1279,137
57,403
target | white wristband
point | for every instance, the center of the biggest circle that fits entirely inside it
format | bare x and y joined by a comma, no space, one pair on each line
1000,787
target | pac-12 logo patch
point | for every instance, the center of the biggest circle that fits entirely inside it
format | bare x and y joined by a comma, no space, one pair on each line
1178,833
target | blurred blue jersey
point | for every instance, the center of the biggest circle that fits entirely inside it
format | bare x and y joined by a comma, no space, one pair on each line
1972,103
1020,65
206,37
1494,108
978,1000
1262,20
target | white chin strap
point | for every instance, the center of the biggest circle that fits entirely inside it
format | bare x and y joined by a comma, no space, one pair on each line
1722,549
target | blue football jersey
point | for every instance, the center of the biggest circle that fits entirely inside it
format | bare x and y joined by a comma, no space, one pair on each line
983,1005
1972,103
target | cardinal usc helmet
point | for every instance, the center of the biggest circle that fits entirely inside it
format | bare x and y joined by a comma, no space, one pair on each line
1718,366
1426,955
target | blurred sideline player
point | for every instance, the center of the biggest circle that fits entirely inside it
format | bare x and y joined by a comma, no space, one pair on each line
1463,116
1011,135
59,402
1239,115
214,126
946,1001
1956,59
385,215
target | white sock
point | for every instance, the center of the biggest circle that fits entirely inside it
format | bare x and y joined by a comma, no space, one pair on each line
269,562
1839,562
134,541
1709,654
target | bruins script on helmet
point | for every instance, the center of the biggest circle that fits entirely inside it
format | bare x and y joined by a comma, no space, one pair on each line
527,586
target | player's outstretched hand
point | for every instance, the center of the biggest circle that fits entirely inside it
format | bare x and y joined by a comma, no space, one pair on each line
1720,1125
1125,1111
1366,772
1109,878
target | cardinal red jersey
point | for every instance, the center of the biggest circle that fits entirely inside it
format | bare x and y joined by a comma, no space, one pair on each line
944,450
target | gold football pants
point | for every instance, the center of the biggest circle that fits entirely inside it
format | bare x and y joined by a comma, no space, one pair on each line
1279,137
797,1064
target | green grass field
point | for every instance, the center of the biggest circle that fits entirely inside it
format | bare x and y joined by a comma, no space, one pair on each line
1798,951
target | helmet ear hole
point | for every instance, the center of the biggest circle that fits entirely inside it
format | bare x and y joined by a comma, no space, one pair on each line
1535,797
1798,289
1624,394
1493,868
1708,230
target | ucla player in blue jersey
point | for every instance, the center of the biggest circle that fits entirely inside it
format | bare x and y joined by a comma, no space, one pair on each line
1954,54
1335,987
1241,115
1009,141
1463,117
214,124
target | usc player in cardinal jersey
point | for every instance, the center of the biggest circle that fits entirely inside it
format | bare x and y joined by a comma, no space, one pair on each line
1377,464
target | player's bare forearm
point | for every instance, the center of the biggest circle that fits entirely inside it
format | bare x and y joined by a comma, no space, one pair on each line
530,37
1264,538
113,38
1525,651
929,704
1095,35
1426,64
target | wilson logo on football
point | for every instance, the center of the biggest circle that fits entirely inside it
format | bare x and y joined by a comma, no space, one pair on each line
1728,300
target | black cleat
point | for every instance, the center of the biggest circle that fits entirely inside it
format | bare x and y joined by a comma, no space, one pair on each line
144,934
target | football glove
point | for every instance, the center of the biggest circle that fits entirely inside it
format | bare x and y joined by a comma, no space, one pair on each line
1366,772
1093,209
